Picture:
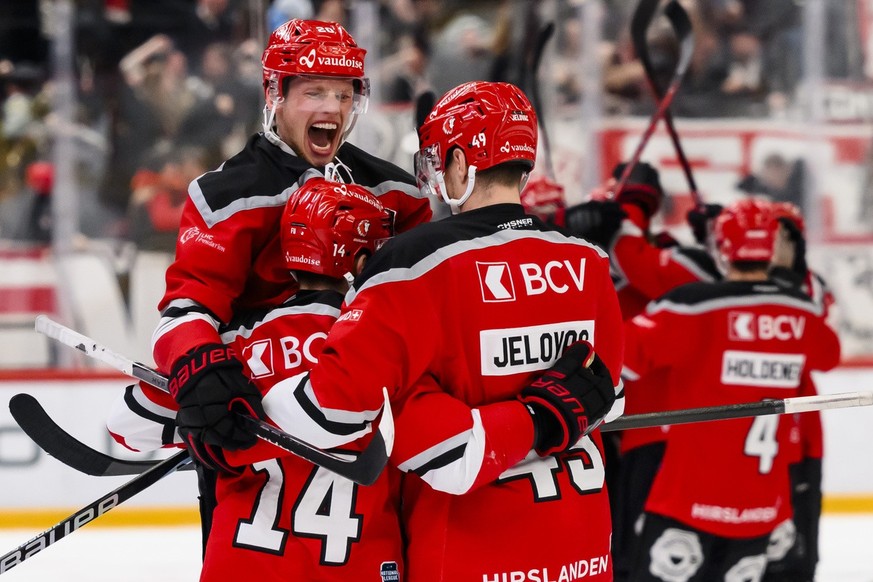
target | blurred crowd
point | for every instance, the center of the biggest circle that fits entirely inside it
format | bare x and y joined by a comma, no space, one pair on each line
166,89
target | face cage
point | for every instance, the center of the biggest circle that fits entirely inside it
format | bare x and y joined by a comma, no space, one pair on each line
429,172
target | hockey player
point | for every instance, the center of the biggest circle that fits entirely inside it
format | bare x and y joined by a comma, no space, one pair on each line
644,267
269,522
742,339
505,472
228,257
793,551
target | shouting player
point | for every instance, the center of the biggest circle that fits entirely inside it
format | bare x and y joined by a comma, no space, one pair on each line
228,256
270,521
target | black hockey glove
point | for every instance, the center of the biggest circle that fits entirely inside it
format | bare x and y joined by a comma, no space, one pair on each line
569,400
699,219
788,266
596,221
209,385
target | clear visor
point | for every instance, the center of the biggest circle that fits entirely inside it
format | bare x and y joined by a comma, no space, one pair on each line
429,171
329,94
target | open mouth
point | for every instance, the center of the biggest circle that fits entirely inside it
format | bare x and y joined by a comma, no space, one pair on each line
322,136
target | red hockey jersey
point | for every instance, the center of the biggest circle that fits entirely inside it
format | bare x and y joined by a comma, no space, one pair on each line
283,518
228,256
724,343
642,271
477,304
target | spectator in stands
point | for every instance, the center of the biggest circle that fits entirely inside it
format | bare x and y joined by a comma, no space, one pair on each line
21,132
223,106
28,215
159,194
778,179
404,74
207,22
154,100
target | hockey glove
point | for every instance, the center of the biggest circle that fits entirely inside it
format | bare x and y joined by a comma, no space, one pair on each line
209,385
788,265
569,400
596,221
699,219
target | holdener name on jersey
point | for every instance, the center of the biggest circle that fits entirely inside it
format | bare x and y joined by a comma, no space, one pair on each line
528,349
762,369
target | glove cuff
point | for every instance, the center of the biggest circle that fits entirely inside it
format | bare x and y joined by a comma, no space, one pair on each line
202,358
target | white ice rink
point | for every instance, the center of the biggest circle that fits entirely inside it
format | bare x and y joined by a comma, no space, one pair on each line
172,554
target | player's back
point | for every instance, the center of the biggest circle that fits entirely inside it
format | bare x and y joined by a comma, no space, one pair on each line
726,343
504,296
285,518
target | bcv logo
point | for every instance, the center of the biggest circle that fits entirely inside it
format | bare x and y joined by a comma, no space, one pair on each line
496,282
747,326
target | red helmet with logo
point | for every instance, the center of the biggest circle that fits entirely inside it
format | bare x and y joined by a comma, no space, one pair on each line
326,225
542,197
493,123
791,212
745,231
313,48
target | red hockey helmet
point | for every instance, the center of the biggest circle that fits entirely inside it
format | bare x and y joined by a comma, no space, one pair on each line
542,197
791,212
326,225
313,48
745,231
493,123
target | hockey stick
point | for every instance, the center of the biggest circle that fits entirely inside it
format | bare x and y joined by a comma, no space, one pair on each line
536,58
793,405
642,18
54,440
746,409
685,38
93,510
363,469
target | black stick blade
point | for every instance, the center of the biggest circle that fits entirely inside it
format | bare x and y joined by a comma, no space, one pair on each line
58,443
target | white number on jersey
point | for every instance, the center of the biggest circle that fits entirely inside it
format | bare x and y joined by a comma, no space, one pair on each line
324,510
585,464
761,442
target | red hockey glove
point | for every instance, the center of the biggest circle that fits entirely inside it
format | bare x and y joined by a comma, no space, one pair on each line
569,400
209,385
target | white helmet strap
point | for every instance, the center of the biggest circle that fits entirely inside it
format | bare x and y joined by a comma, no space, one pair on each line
455,205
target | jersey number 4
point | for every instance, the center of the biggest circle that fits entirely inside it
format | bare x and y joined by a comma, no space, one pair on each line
761,442
323,510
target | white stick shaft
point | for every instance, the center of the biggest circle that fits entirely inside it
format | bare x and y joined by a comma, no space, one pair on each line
73,339
828,401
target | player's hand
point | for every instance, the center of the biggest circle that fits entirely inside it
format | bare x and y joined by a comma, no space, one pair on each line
700,218
791,235
569,400
788,265
596,221
210,386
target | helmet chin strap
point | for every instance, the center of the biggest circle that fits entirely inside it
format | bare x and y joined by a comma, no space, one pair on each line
269,129
455,205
